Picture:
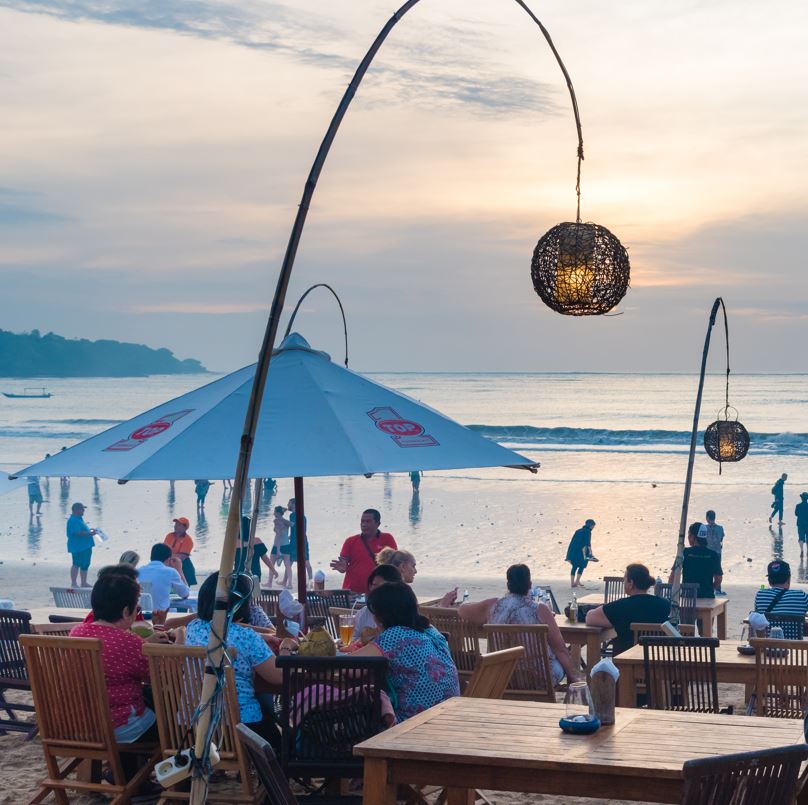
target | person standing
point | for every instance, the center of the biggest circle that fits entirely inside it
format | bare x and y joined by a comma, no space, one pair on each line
357,559
415,480
281,549
777,504
181,544
801,512
79,544
293,557
201,488
579,552
714,534
34,495
699,564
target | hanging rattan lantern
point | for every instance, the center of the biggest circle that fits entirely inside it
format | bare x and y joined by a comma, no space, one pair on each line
580,269
726,440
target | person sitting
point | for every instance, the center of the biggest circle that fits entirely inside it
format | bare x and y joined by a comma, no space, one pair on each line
779,598
365,626
518,607
114,600
700,565
420,670
163,572
404,562
130,558
253,656
637,607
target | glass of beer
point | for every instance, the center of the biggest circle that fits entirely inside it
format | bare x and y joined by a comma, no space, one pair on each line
346,628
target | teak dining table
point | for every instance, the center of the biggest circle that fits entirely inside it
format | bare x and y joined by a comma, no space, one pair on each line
499,745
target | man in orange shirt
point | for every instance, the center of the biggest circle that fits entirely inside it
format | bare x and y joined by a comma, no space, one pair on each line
181,544
358,555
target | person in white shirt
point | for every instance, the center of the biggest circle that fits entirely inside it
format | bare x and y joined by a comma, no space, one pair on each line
164,574
715,542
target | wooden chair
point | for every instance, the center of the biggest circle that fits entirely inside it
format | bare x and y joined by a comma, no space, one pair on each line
614,589
329,704
176,675
793,626
492,674
52,629
268,601
13,673
762,777
655,630
77,597
272,777
532,677
781,678
70,696
317,606
688,593
680,673
464,638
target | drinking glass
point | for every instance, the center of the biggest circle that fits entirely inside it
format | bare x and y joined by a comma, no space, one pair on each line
579,701
776,633
346,628
744,634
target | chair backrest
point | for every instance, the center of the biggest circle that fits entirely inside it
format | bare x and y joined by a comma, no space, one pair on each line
532,677
266,766
13,623
553,603
268,601
317,606
69,690
762,777
329,705
793,626
781,677
614,589
464,637
338,598
78,597
493,673
177,673
53,629
64,619
680,673
655,630
688,593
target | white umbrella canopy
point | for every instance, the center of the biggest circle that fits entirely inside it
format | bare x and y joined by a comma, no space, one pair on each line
317,419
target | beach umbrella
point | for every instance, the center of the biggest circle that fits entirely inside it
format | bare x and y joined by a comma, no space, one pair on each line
317,419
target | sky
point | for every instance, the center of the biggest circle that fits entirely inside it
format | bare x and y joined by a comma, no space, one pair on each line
153,153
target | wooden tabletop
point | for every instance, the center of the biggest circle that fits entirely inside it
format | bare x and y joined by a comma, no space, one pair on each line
567,625
726,655
492,739
41,614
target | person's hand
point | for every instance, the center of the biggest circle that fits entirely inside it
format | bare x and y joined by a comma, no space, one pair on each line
340,565
288,646
450,599
159,636
174,561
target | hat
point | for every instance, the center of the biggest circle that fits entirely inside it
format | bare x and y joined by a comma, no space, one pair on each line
183,520
778,571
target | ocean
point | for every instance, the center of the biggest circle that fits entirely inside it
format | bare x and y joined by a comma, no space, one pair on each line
612,447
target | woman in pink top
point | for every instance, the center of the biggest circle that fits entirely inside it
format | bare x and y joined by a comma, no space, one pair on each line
114,601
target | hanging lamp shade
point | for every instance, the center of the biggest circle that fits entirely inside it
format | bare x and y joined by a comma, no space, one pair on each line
726,440
580,269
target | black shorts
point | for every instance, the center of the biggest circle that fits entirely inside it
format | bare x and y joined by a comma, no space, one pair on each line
578,567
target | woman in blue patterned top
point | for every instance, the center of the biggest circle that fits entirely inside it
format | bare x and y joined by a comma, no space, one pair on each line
420,672
252,653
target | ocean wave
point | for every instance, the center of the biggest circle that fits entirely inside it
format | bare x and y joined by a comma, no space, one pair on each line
74,421
652,440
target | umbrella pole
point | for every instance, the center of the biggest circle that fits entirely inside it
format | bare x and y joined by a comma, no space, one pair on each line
300,540
676,581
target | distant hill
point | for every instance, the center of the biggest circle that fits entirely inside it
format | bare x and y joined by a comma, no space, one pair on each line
51,355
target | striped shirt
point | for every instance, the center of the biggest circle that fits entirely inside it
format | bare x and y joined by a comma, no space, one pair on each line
793,602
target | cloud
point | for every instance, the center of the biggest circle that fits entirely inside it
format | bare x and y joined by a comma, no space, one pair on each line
209,308
22,208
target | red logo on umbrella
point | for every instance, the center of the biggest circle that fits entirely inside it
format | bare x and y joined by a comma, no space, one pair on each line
405,432
145,432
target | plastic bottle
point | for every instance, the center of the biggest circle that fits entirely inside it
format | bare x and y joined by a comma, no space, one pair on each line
465,596
574,609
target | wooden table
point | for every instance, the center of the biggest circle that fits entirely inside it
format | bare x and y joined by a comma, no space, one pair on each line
579,635
707,610
42,614
501,745
729,667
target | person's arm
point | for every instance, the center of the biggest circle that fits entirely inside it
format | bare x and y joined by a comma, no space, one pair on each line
476,611
179,586
267,671
342,563
557,644
597,617
369,650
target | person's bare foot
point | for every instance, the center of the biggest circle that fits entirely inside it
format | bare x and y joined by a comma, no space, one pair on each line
86,585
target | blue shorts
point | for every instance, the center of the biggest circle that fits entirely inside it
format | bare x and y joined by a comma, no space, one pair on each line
81,559
35,497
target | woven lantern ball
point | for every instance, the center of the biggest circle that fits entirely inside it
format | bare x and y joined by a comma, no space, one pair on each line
726,440
580,269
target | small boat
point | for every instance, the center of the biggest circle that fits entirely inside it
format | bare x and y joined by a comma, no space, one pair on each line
29,393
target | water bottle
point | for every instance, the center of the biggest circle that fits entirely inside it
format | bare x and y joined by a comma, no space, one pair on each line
465,596
776,633
574,609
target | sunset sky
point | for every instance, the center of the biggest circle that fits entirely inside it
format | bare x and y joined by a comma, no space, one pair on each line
153,152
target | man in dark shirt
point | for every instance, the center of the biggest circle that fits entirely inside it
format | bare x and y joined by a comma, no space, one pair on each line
801,512
778,492
636,607
700,565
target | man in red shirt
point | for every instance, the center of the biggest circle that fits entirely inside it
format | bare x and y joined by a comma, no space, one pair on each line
358,555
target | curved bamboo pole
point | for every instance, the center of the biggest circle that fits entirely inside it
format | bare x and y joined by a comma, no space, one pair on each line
216,645
341,310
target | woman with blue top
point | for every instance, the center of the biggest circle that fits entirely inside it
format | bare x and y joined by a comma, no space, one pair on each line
420,671
253,656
